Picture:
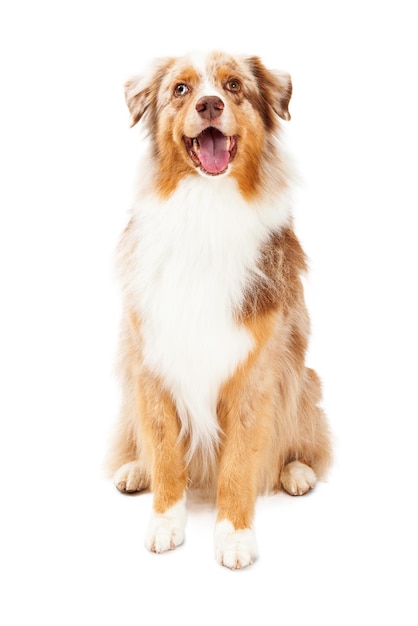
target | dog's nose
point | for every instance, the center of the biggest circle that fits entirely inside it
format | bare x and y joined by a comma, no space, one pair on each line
210,107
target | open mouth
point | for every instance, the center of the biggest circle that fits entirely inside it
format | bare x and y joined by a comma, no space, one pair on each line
212,151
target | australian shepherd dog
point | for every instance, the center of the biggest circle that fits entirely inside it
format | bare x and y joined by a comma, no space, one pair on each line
216,393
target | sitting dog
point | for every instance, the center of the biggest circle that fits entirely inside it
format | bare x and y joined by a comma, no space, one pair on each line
216,393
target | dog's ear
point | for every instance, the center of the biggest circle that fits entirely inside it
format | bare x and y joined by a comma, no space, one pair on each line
138,97
141,91
275,86
283,92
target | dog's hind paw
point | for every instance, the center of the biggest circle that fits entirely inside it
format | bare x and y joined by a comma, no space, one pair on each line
131,477
234,548
297,478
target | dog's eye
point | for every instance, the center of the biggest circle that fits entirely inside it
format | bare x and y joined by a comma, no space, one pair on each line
233,85
180,90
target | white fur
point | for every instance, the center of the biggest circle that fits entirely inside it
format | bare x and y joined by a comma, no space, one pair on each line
234,548
198,61
166,530
196,252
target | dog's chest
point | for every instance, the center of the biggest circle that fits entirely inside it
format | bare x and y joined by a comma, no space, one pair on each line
194,256
193,260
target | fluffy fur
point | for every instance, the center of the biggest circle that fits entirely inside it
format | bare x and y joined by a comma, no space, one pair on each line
216,393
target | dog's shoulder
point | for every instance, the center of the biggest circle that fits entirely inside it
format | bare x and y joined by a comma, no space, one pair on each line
277,283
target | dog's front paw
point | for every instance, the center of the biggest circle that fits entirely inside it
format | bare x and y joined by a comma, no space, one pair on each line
234,548
166,530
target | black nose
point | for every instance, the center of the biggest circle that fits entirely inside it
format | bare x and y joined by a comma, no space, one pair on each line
210,107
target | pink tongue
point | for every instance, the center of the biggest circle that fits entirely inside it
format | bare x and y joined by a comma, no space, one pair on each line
213,154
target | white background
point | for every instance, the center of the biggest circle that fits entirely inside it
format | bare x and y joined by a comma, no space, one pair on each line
72,547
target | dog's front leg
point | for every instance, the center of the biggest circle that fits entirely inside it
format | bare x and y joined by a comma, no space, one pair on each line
168,474
243,417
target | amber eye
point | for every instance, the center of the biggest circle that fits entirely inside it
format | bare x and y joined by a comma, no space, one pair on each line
180,90
233,85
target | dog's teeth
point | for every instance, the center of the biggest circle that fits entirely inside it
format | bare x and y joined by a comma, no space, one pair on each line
195,144
228,143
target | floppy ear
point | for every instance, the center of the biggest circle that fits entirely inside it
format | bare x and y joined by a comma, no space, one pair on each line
141,91
138,97
275,86
283,92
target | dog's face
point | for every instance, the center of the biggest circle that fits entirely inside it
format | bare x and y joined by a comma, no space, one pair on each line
211,115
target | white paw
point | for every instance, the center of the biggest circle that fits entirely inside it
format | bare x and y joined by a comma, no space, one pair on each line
166,530
131,477
297,478
234,548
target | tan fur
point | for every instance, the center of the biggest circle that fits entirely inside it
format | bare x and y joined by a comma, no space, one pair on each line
268,411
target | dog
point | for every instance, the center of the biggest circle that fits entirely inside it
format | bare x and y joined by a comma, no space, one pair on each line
216,393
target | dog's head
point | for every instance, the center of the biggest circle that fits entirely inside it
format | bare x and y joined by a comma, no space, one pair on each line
213,114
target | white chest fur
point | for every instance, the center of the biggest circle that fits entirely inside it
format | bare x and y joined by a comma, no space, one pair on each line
195,253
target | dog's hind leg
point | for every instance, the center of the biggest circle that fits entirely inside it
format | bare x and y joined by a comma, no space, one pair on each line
311,455
127,463
126,460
